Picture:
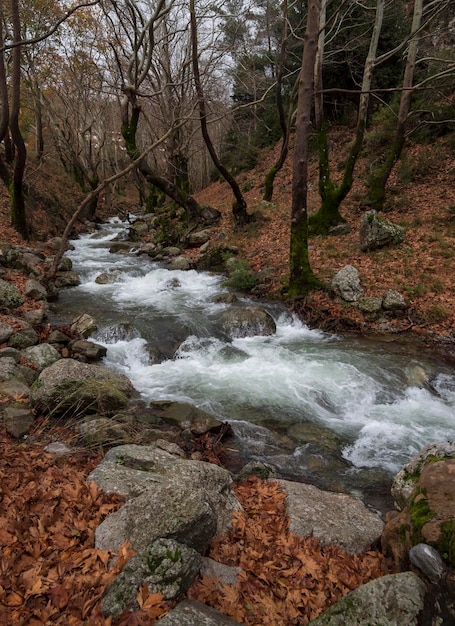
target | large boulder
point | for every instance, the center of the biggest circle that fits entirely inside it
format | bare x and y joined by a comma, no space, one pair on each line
332,517
428,517
376,232
165,566
73,388
346,284
248,321
394,600
148,472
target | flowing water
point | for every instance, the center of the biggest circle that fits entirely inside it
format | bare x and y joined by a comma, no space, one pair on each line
342,413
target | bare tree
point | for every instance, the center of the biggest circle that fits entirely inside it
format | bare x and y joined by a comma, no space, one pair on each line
239,206
301,277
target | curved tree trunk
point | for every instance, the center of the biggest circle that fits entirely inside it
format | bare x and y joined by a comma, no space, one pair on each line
239,206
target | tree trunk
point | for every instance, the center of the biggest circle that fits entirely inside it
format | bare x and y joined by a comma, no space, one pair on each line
378,182
129,130
239,206
16,188
284,122
332,195
301,277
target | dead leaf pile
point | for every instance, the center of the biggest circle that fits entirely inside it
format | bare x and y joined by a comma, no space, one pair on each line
50,571
286,579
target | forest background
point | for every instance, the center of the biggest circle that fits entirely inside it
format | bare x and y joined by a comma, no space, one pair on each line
166,97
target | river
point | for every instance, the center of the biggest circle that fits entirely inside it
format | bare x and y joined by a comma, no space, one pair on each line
340,412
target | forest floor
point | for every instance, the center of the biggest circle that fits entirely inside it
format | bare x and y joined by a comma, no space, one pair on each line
50,572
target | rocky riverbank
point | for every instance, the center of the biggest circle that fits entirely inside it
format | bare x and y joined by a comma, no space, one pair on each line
52,375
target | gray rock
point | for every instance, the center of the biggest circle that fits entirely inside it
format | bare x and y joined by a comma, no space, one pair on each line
179,263
57,336
405,481
240,322
73,388
23,339
14,388
428,561
12,353
394,600
335,518
104,431
129,470
41,355
224,573
88,349
370,306
57,448
174,510
120,247
67,279
107,278
376,232
189,613
8,367
394,301
64,265
346,284
6,330
10,296
195,240
35,290
36,316
256,468
171,251
186,416
84,325
17,421
166,567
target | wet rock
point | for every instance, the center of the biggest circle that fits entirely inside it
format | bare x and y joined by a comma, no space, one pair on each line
346,284
107,278
84,325
67,279
179,263
332,517
256,468
394,600
88,350
166,566
59,337
186,416
376,232
247,322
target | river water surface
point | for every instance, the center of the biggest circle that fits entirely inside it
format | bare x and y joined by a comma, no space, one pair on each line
342,413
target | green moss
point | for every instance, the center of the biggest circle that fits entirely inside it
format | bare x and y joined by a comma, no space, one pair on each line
446,545
420,513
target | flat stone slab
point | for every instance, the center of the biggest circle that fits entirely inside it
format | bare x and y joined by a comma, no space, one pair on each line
336,518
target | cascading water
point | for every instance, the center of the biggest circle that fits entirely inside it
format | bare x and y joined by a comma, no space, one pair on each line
339,412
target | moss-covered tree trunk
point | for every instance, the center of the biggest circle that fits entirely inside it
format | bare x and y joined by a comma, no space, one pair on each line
301,277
